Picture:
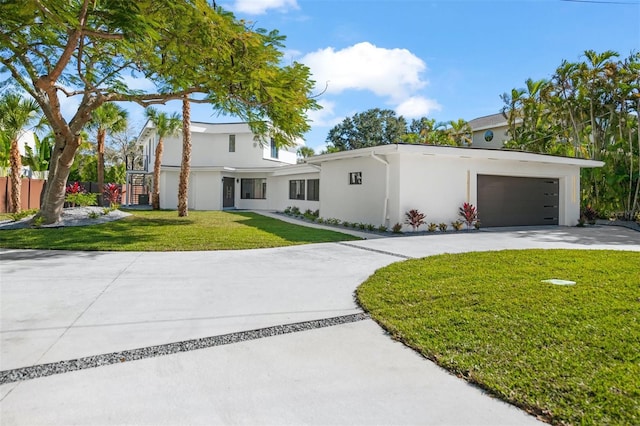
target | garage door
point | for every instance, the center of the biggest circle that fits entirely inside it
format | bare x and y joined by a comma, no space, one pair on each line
517,201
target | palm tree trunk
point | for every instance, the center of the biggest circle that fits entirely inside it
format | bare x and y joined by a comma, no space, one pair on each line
101,138
183,186
155,196
16,181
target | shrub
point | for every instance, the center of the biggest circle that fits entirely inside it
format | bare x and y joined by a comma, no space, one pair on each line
112,194
468,213
355,224
320,220
295,211
590,214
94,215
382,228
371,227
287,210
346,224
316,213
457,225
415,218
77,196
477,224
397,228
442,226
81,199
432,227
21,215
334,221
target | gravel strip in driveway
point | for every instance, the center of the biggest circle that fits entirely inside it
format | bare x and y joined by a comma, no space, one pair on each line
43,370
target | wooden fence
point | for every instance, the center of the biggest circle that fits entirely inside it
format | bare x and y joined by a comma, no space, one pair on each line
29,194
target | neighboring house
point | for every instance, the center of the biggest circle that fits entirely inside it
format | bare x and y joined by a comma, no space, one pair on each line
490,131
374,185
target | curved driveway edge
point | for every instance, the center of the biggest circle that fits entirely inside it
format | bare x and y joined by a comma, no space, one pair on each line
57,306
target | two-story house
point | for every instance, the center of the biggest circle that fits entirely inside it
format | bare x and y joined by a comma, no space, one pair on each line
230,168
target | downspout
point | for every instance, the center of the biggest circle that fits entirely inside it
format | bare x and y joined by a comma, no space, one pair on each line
386,189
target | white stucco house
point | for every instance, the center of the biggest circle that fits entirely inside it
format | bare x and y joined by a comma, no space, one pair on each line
377,185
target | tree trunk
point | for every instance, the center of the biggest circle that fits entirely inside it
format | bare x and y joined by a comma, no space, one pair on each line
101,137
59,168
16,181
155,196
183,186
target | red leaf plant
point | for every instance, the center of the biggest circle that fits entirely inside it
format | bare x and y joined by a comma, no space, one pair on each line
469,213
415,218
112,193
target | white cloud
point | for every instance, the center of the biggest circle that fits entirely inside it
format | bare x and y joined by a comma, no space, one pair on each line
417,106
392,73
259,7
325,116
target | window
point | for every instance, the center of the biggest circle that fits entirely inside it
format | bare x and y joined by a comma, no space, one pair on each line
253,189
355,178
232,143
296,189
488,136
274,148
313,189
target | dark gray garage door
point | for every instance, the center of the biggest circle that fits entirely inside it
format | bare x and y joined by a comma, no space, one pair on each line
517,201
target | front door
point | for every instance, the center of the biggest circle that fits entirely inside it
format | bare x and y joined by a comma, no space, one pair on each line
228,192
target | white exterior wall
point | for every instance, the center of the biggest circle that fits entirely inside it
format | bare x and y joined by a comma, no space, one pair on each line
435,185
169,189
279,195
353,203
500,136
438,185
205,190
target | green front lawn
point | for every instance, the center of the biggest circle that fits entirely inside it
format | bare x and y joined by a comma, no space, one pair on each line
570,354
165,231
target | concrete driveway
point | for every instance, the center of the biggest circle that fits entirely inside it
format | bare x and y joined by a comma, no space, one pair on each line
270,336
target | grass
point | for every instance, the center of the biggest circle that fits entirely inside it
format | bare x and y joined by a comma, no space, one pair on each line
569,354
165,231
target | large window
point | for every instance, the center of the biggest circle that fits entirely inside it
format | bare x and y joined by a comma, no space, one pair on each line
313,189
232,143
296,189
274,148
253,189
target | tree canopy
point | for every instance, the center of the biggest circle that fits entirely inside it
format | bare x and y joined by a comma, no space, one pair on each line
91,50
587,109
382,126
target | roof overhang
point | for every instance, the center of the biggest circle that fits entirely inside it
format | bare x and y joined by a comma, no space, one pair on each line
459,152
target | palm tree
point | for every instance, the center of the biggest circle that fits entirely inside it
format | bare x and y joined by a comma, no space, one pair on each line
109,117
460,132
305,152
16,113
185,166
166,125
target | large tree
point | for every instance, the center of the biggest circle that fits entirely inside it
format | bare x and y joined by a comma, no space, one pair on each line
105,119
365,129
16,114
87,49
166,125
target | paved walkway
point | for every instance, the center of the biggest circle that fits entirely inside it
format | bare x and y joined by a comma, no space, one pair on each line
132,322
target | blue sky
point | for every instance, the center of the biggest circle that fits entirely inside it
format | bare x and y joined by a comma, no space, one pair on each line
441,59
